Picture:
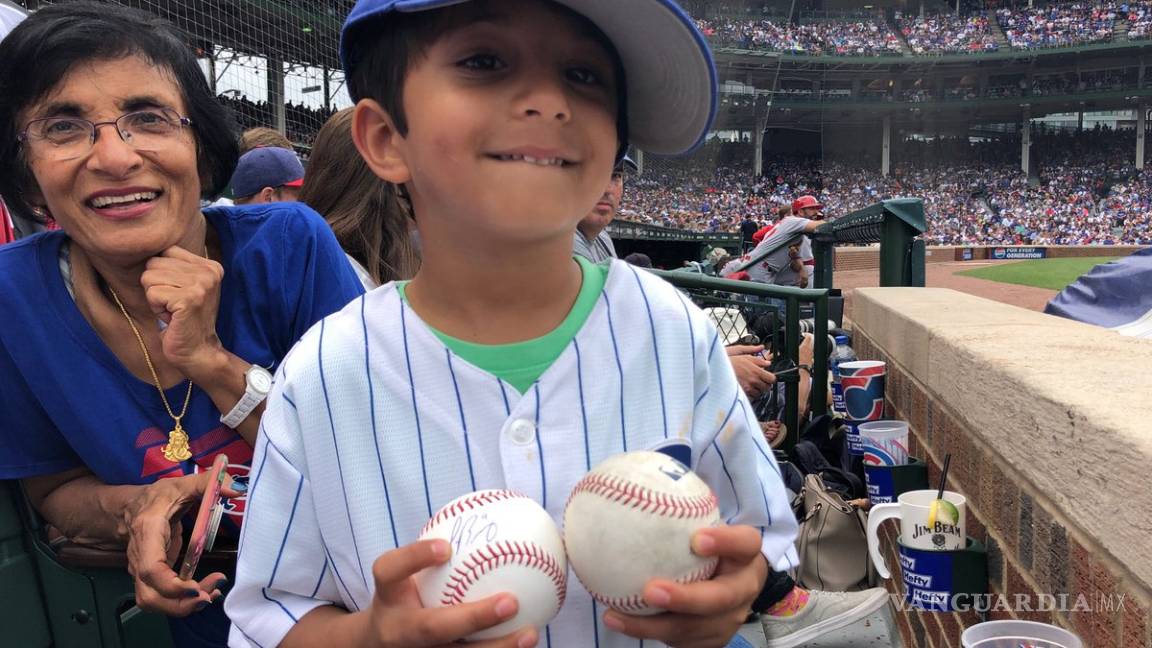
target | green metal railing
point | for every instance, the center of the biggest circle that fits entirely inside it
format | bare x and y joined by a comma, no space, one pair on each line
751,298
894,224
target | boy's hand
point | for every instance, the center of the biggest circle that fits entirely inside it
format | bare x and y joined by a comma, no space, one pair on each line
397,619
708,613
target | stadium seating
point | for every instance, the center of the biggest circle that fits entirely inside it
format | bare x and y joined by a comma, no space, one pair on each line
1088,192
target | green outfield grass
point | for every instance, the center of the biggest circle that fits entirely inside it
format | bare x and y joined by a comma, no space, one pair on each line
1054,274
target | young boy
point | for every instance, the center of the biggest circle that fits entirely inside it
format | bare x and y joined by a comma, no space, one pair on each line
505,363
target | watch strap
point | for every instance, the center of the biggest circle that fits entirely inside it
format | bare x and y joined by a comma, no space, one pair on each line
248,402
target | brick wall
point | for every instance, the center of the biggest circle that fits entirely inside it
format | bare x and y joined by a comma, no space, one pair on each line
868,258
1032,549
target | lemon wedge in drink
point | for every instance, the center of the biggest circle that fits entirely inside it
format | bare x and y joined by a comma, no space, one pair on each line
944,511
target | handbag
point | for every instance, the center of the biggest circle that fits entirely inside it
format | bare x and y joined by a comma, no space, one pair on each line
832,544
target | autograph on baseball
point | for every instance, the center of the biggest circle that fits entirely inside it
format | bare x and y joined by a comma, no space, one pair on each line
471,530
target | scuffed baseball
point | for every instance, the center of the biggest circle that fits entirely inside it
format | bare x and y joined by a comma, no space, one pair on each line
631,519
502,542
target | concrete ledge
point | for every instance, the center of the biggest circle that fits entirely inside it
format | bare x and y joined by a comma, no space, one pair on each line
1061,404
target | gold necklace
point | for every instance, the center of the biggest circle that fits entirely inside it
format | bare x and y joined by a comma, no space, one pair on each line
177,448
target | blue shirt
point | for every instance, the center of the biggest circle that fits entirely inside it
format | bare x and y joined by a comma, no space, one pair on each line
67,401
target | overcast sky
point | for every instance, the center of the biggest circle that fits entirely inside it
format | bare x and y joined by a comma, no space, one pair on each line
248,75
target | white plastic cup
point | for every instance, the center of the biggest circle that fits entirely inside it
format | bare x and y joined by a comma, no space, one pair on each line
913,509
885,443
1013,634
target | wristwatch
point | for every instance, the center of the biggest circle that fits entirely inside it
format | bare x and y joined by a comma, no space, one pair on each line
258,382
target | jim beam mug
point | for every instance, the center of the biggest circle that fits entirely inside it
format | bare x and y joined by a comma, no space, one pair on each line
943,532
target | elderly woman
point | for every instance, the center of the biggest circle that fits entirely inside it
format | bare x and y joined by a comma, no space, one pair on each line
135,344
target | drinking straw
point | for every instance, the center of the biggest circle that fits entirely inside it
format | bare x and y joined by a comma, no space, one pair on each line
939,493
944,476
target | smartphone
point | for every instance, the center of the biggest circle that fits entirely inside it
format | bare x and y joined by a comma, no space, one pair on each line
207,519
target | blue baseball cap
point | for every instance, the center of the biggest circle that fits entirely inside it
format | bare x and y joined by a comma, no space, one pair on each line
267,166
670,74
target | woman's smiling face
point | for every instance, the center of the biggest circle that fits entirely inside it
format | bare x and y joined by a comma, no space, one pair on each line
115,201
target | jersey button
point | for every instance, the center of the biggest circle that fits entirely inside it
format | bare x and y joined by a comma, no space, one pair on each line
522,432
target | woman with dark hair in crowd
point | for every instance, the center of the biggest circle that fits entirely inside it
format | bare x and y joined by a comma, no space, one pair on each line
135,342
364,211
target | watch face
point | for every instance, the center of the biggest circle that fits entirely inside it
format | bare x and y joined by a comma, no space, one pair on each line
260,379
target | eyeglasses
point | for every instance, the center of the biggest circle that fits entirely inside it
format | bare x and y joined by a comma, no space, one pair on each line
67,138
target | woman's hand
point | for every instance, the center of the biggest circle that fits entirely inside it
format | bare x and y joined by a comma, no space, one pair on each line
151,521
396,619
183,290
708,613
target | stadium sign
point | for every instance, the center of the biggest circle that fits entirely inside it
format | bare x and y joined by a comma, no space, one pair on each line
1019,253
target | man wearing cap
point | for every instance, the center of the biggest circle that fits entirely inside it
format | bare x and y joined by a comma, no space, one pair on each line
810,208
590,240
267,174
788,267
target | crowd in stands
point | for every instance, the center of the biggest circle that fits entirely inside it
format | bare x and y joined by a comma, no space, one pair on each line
948,34
973,194
301,122
1086,191
1139,16
856,37
1058,25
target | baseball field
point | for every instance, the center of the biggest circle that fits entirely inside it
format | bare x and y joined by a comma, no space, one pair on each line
1052,274
1027,284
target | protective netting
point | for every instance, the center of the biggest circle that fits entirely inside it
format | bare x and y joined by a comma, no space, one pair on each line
708,190
242,43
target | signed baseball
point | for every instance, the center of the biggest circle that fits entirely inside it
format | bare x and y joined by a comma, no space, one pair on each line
501,542
631,519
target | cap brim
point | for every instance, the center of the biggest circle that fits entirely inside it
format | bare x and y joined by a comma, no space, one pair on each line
627,163
671,77
294,183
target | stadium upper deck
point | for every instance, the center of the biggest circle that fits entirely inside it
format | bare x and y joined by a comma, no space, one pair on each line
1008,30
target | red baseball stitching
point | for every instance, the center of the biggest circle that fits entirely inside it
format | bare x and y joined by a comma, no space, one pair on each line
499,554
627,493
468,503
636,603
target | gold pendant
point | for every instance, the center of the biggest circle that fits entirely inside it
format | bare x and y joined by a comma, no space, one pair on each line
177,448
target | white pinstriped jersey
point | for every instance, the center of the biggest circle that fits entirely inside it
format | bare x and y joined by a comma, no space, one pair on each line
373,424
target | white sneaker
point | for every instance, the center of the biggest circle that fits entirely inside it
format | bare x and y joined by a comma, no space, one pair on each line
824,612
